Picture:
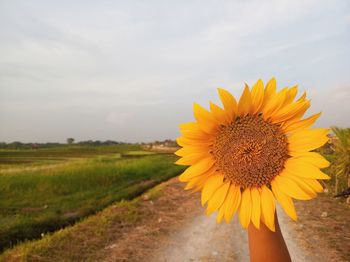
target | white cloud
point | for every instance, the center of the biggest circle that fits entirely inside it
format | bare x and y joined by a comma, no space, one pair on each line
110,62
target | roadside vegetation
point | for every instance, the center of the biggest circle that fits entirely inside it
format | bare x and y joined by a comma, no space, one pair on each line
337,151
341,166
93,236
36,201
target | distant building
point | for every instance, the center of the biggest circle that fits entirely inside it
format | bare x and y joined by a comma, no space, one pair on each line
167,145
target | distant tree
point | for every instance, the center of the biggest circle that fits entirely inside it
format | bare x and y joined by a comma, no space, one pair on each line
97,143
70,140
110,142
16,145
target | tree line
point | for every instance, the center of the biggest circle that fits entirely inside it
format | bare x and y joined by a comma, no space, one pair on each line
21,145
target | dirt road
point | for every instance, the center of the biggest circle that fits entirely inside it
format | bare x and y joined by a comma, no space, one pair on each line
202,239
183,234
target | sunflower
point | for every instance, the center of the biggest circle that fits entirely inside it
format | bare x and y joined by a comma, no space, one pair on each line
247,155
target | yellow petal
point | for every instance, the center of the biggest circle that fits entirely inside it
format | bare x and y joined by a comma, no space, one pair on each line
212,184
188,150
290,111
307,140
302,111
256,209
197,169
193,131
302,97
218,113
195,181
184,141
229,103
245,102
221,214
274,103
268,207
291,188
270,91
217,198
285,201
314,184
198,182
303,169
313,158
257,96
192,159
302,184
232,202
198,188
189,126
205,119
245,208
300,124
291,93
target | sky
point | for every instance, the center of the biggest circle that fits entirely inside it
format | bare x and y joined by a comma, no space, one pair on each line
131,70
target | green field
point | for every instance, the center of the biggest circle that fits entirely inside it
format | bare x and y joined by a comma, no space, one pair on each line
40,196
25,157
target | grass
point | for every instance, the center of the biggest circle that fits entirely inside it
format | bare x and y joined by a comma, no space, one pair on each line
95,231
36,202
138,153
29,156
13,160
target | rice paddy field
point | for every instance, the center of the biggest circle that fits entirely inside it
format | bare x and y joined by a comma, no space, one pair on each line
44,190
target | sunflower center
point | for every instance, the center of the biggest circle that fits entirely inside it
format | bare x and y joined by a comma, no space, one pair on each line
250,151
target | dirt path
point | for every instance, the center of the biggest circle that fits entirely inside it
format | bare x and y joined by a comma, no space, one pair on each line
192,236
204,240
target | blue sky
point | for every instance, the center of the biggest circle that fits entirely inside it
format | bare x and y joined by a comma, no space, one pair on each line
130,70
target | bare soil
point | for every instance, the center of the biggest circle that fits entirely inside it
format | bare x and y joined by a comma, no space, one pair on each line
323,228
161,217
177,230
